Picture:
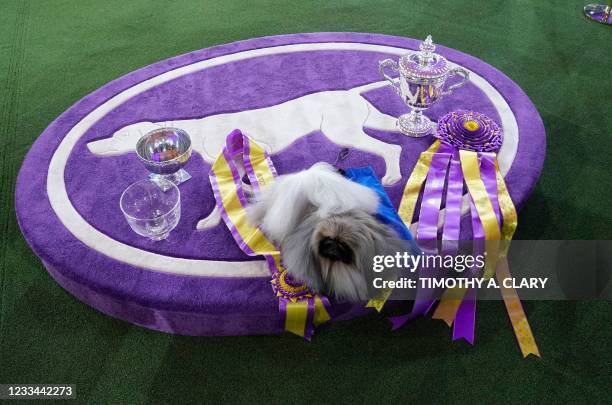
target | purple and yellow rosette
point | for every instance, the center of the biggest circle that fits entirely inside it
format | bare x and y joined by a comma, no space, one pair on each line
464,153
300,309
469,130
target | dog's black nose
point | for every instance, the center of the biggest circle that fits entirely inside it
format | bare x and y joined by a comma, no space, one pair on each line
336,250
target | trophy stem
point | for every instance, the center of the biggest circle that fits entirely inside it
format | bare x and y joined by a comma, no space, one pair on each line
177,177
415,124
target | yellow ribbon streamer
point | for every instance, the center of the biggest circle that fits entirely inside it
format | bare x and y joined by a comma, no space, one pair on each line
297,314
250,234
521,327
321,315
506,205
476,187
296,311
414,184
378,303
449,305
516,313
261,164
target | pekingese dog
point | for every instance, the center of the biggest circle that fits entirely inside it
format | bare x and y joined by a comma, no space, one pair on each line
326,229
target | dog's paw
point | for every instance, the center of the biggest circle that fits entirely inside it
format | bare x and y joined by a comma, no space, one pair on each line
391,178
210,221
392,161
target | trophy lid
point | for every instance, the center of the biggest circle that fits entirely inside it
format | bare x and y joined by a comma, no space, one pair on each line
424,64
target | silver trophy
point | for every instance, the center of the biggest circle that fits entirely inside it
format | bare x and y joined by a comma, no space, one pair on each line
164,152
422,76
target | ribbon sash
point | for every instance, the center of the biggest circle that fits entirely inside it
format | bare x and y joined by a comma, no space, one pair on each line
300,309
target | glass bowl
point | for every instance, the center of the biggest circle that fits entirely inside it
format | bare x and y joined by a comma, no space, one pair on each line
152,207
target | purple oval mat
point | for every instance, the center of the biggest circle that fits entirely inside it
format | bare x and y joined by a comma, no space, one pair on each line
211,89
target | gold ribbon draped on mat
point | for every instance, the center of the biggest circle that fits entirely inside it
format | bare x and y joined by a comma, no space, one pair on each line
296,309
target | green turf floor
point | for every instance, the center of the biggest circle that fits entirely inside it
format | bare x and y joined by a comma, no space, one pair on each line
54,52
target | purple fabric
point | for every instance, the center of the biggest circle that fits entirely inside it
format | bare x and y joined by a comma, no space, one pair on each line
193,305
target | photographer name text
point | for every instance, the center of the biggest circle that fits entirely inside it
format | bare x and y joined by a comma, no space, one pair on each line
461,282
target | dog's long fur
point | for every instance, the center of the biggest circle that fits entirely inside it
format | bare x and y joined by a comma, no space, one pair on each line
325,227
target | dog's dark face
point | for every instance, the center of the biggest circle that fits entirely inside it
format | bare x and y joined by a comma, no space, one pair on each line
334,240
334,255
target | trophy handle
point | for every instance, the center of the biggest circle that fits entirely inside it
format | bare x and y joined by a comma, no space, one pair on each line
393,65
453,72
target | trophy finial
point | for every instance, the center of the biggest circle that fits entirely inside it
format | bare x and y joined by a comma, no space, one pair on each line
427,48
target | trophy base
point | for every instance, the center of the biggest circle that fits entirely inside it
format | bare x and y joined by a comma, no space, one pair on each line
177,178
415,124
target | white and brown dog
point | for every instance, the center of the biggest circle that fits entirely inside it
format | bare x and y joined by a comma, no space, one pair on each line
327,232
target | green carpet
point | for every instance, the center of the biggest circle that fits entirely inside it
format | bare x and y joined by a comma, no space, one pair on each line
53,53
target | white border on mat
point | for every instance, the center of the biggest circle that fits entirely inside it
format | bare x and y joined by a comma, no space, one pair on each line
96,240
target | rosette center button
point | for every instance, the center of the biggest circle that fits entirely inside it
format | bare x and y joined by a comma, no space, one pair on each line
471,125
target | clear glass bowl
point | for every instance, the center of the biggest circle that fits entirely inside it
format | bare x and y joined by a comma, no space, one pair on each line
152,207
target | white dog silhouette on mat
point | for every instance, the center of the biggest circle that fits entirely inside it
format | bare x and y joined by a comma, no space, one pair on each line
340,115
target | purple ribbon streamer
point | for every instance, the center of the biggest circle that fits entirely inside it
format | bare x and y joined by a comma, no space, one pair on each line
428,228
282,309
420,308
425,299
454,194
326,303
432,197
465,320
309,327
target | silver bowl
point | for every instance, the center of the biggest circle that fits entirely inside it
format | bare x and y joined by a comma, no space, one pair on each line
164,152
